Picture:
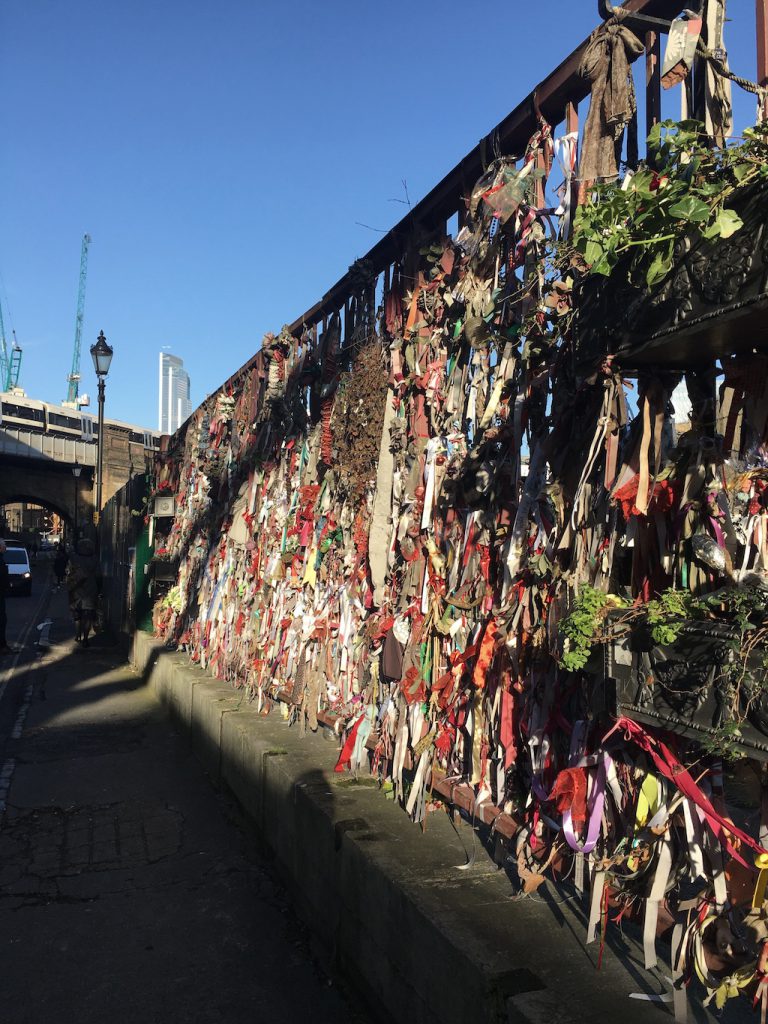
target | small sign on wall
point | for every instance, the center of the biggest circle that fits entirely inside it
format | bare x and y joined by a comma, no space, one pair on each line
165,505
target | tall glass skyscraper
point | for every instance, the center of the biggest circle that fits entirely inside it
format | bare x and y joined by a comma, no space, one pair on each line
175,405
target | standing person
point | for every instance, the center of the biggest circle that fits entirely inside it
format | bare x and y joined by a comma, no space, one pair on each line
4,648
60,560
83,585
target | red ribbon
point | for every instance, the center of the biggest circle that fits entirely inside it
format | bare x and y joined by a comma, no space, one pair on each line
671,769
345,757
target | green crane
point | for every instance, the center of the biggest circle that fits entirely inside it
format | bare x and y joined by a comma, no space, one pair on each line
10,363
74,376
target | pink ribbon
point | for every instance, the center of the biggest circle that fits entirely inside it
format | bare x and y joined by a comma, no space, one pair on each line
597,799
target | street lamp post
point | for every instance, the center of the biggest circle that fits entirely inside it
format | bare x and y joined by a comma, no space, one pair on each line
76,471
101,353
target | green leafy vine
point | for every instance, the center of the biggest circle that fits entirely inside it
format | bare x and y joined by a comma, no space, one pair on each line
583,627
686,185
587,624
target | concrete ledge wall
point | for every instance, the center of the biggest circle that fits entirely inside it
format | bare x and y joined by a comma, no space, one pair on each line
421,940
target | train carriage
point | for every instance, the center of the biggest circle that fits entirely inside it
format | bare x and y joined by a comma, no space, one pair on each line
29,414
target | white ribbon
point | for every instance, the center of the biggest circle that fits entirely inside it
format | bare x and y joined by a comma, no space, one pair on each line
566,152
434,447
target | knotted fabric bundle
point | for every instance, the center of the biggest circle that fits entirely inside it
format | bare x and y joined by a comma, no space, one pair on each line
606,63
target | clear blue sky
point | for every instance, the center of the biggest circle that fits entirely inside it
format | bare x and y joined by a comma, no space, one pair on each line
221,155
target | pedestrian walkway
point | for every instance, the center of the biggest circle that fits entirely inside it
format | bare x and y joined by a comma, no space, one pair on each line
130,892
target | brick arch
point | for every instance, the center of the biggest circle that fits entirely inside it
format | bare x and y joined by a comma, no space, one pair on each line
51,486
61,509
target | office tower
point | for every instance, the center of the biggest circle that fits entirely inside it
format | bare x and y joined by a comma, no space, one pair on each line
175,405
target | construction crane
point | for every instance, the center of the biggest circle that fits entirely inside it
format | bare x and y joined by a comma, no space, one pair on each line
10,363
74,375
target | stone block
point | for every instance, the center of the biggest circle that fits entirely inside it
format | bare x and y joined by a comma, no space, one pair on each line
210,702
144,650
177,681
239,770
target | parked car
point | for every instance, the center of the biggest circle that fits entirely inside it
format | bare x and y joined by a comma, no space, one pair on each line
19,572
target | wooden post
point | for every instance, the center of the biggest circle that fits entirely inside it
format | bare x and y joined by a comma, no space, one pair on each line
762,48
571,117
540,164
347,323
462,205
572,125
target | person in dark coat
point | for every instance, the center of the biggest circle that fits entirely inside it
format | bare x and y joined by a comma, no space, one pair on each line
4,648
84,585
60,560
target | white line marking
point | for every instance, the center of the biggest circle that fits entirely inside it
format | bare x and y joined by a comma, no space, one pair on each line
7,675
19,723
6,773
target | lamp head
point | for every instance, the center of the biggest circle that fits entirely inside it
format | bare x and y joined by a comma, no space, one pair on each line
101,353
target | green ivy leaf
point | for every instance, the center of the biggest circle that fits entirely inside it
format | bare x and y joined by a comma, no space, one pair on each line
729,223
658,270
641,183
592,251
605,264
725,224
690,208
709,188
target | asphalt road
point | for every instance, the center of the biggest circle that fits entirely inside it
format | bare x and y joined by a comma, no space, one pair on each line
24,614
129,890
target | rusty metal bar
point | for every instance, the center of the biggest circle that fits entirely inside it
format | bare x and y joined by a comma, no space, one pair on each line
652,80
572,125
762,47
462,796
571,117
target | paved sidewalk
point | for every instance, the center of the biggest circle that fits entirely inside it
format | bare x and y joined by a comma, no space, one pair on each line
128,890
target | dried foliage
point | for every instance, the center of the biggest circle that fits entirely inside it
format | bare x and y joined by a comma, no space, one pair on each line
358,416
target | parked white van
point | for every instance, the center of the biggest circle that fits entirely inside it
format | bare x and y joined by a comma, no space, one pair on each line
19,572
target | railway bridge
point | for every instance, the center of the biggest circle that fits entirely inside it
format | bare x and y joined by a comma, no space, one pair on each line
60,473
